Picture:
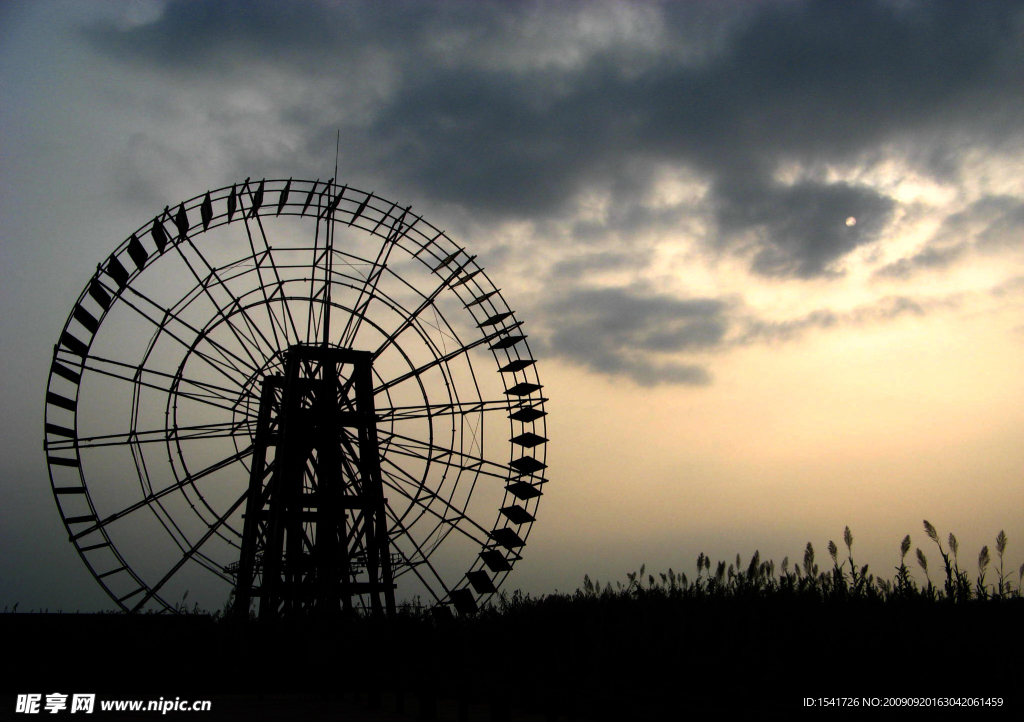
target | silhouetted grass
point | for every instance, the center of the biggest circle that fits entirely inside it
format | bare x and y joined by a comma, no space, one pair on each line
750,635
845,580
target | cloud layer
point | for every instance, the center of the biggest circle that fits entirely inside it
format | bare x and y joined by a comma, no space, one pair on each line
782,115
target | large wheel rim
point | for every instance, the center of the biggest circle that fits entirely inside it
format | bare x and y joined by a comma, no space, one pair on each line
180,329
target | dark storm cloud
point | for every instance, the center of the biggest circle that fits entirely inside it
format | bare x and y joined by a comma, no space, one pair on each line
800,230
216,38
625,331
644,336
729,91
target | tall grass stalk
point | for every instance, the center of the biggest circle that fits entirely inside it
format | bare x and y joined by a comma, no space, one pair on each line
845,580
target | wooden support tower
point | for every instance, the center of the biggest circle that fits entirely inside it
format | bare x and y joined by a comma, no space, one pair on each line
315,533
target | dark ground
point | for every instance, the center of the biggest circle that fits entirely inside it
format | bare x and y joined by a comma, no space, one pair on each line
564,659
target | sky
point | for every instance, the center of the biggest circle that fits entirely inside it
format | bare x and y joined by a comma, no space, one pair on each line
768,255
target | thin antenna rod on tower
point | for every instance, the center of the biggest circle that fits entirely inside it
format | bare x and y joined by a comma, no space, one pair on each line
337,146
329,246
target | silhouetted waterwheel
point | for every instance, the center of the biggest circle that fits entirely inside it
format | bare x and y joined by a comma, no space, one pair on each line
155,388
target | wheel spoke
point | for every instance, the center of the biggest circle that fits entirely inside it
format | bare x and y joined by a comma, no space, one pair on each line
277,276
462,408
460,515
445,359
262,285
188,555
419,449
427,302
204,285
231,429
369,288
156,496
312,327
424,559
230,363
216,396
